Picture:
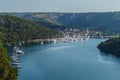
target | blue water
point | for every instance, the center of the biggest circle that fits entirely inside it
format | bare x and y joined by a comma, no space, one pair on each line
68,61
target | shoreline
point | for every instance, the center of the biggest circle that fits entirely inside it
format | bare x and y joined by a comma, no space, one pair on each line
31,41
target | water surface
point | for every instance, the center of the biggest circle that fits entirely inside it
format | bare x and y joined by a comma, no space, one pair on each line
68,61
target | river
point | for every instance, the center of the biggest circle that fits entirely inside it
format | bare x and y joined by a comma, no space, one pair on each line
68,61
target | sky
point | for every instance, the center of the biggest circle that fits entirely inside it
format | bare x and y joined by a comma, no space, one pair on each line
59,5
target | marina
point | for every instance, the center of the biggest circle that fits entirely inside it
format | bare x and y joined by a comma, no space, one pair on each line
15,58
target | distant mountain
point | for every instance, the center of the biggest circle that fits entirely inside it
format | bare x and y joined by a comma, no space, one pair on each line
14,29
101,21
43,19
109,21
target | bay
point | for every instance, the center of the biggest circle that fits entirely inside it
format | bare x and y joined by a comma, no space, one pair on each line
68,61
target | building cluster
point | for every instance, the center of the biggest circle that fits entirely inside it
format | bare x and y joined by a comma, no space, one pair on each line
82,33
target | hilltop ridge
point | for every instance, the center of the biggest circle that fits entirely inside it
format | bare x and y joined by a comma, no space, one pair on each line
104,21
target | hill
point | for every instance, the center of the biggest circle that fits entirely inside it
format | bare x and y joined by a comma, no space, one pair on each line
105,21
111,46
14,29
7,72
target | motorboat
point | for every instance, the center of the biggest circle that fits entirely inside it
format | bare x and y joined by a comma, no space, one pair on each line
17,51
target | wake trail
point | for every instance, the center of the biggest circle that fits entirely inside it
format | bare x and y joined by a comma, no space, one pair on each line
103,59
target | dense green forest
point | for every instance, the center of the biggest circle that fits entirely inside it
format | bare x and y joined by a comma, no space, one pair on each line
7,72
48,20
103,21
111,46
50,25
14,29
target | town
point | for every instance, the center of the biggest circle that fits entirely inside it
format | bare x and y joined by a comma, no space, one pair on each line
71,35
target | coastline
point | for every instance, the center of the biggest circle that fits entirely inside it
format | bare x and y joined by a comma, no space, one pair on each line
111,46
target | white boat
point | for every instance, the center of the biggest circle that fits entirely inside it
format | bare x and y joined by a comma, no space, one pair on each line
87,38
15,63
54,40
42,43
81,39
17,51
14,59
18,66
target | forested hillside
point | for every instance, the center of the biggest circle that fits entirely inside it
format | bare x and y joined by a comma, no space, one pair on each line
14,29
7,72
104,21
111,46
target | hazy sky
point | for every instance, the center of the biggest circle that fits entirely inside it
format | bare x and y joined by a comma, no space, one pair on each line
59,5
